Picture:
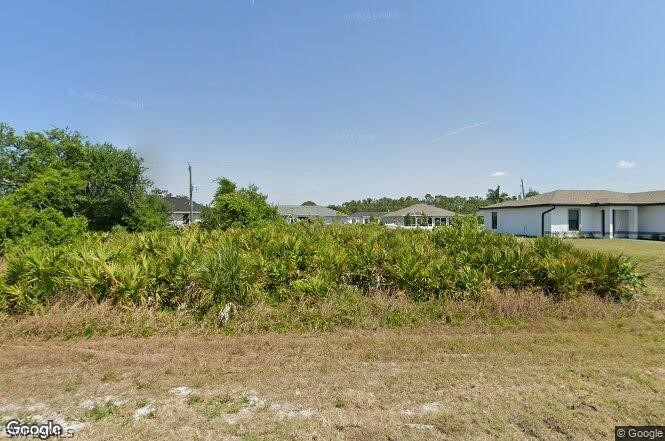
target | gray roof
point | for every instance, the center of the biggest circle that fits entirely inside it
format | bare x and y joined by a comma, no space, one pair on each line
585,197
181,204
307,211
376,214
427,210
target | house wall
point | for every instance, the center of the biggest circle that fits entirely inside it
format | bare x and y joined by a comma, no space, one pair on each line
520,221
591,222
335,219
651,220
175,218
527,221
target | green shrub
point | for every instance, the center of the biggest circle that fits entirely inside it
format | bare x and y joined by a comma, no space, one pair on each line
225,275
26,225
199,269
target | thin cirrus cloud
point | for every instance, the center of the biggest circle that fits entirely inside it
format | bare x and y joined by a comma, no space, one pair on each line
568,135
458,131
500,174
651,118
625,165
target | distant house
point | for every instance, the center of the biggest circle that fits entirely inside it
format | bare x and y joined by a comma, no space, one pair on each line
597,213
180,210
297,213
365,217
418,215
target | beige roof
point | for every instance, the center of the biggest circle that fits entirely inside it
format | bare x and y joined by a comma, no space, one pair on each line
427,210
586,197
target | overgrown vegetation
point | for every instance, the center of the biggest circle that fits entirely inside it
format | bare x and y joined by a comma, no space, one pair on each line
201,270
237,207
55,185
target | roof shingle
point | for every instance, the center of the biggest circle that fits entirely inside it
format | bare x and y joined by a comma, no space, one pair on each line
585,197
180,204
427,210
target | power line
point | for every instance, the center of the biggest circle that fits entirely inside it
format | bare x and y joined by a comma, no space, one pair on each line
220,164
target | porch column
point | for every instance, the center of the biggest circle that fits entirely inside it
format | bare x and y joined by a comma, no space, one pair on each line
609,222
633,224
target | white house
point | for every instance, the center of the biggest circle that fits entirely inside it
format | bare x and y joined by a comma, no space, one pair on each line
418,215
365,217
180,210
297,213
585,213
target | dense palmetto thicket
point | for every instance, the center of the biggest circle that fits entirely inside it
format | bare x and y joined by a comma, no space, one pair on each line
200,270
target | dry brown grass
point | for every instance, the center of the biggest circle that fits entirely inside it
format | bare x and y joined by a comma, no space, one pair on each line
72,318
570,380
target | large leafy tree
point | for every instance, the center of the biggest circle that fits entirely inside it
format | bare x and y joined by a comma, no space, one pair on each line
237,207
59,173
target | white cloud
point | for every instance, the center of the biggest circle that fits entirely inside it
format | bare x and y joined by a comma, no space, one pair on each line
625,165
460,130
500,174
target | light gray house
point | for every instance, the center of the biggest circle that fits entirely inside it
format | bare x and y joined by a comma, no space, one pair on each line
180,210
297,213
586,213
418,215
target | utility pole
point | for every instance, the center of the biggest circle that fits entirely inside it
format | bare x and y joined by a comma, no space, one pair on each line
523,194
191,204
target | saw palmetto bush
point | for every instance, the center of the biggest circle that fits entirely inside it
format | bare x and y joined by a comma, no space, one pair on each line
199,270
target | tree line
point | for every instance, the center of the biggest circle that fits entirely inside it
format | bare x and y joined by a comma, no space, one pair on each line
458,204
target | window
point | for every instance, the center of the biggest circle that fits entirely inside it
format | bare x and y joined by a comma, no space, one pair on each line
573,220
495,222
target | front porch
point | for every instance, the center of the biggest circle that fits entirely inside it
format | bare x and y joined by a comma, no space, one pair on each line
599,221
423,221
620,222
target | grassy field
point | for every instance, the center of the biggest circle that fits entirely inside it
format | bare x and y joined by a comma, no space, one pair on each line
649,254
554,379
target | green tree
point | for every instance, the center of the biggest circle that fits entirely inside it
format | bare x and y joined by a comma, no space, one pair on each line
309,203
62,170
149,214
233,207
531,192
29,225
62,190
495,195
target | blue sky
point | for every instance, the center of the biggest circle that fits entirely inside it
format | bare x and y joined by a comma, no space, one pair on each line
332,101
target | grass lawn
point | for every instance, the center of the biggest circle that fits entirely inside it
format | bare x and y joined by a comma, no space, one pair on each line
563,379
650,256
